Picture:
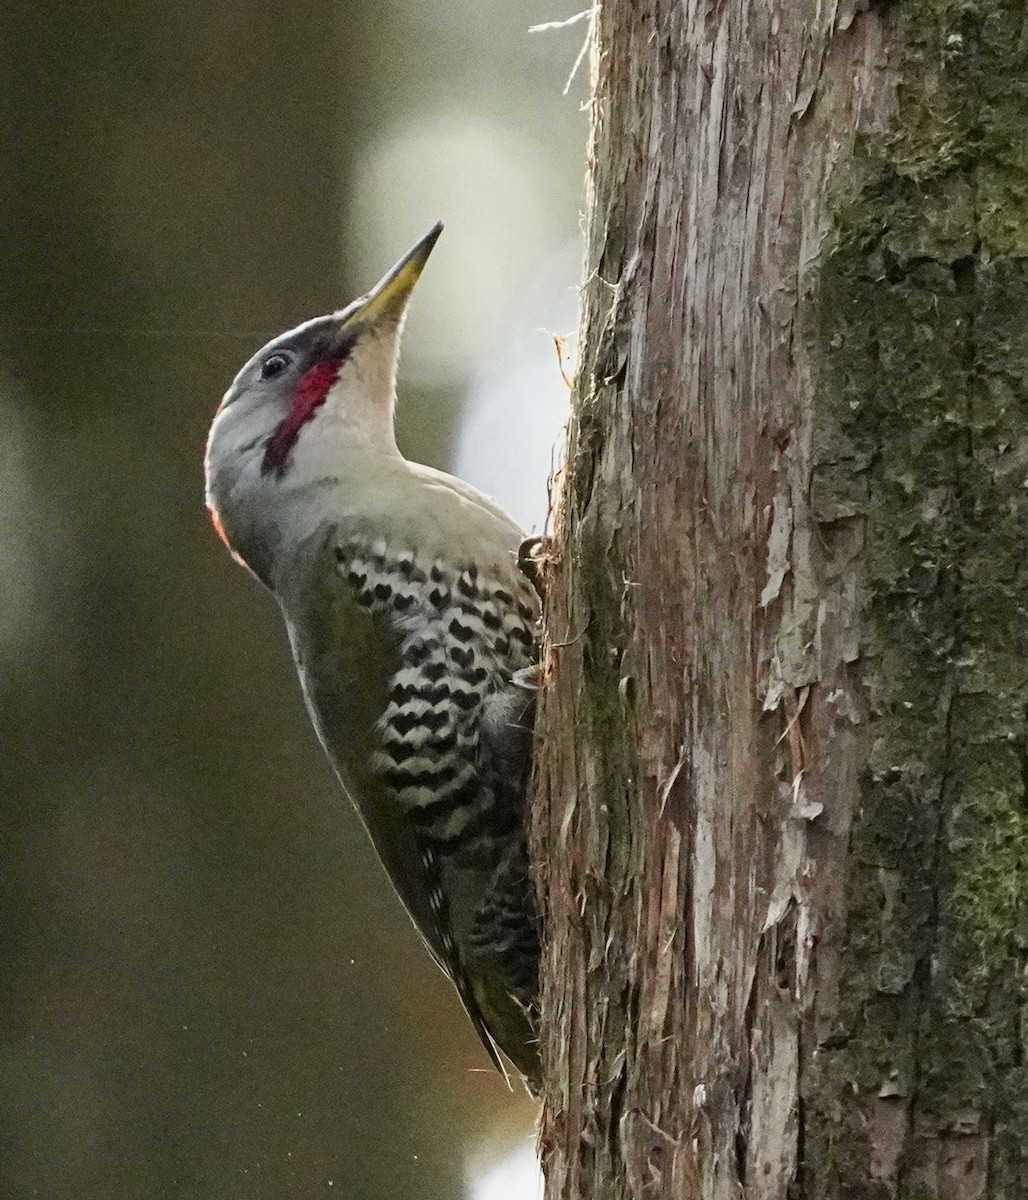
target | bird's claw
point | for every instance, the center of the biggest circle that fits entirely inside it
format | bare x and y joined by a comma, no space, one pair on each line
528,678
535,555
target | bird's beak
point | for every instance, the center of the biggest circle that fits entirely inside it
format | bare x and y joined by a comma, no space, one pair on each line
389,296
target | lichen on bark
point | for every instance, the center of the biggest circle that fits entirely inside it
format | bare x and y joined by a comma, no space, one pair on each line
921,442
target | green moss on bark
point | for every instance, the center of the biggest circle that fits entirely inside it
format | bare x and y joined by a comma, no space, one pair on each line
923,438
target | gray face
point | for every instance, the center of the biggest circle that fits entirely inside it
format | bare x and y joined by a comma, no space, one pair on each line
256,422
271,377
280,390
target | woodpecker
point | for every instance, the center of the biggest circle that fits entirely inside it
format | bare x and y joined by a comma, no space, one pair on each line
413,629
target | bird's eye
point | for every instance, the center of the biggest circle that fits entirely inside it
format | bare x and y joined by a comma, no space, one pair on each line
274,365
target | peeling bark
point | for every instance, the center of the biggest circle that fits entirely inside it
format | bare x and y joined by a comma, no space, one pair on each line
780,815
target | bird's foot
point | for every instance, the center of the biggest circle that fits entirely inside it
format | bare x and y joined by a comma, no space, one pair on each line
536,555
528,678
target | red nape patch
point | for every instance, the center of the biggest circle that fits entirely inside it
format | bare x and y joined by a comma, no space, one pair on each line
307,399
219,529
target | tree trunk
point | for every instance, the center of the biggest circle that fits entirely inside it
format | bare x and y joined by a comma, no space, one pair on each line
780,820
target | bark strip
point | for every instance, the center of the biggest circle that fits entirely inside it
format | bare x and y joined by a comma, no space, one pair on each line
780,819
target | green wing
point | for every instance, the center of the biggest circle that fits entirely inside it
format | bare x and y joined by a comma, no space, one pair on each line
371,664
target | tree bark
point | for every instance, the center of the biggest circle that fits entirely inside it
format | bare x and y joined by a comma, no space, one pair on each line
780,816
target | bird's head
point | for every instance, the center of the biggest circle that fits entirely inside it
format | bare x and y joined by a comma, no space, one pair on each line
307,399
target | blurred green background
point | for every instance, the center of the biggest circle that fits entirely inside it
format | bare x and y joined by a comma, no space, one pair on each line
208,989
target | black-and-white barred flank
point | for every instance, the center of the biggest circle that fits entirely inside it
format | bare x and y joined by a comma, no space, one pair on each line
455,739
463,639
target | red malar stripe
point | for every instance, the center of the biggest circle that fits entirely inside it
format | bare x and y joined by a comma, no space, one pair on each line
309,396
